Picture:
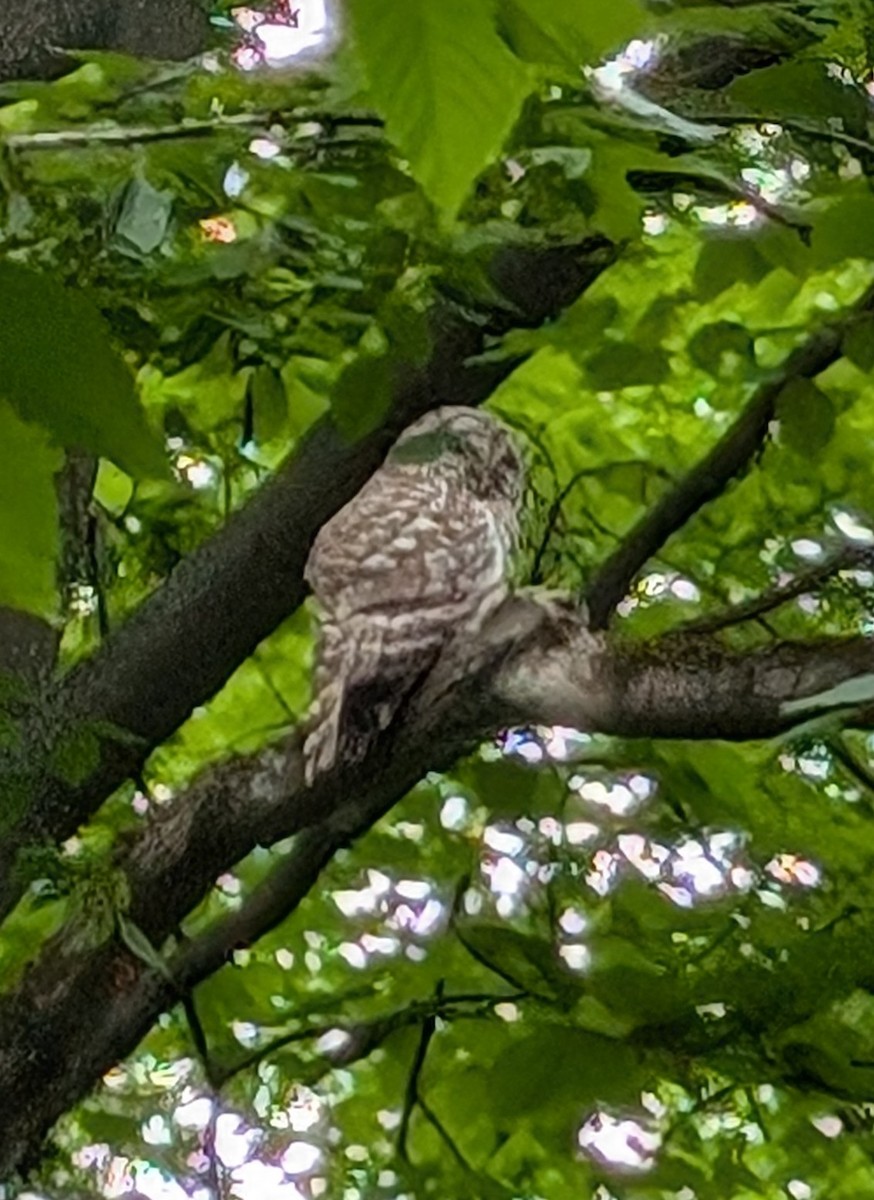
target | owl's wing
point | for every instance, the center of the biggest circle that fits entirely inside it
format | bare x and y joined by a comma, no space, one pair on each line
417,543
405,566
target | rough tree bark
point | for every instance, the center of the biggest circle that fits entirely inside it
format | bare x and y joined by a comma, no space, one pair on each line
34,33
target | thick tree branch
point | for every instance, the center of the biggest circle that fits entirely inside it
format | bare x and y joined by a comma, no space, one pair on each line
708,479
223,599
532,664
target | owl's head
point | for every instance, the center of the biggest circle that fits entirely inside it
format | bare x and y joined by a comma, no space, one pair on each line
469,444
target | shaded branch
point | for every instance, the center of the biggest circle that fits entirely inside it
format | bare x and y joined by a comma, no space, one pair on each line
708,479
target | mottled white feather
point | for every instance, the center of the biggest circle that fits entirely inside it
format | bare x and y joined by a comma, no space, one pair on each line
420,556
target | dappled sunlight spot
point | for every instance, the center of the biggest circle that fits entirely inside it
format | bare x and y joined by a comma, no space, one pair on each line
412,831
603,873
538,743
156,1131
660,585
620,798
850,525
200,473
799,1190
353,954
82,599
265,148
739,214
218,229
304,1111
694,869
655,223
562,743
711,1012
258,1180
246,1033
234,1140
503,841
613,76
300,1158
578,833
645,856
506,880
619,1142
807,549
507,1011
193,1113
273,36
235,180
572,921
829,1125
575,955
454,813
333,1041
792,869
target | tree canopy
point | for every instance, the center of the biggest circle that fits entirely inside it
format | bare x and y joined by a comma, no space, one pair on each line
594,918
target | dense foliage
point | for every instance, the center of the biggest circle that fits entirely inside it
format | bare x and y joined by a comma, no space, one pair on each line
621,962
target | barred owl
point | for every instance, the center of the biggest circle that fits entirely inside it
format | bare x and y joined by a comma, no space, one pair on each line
421,555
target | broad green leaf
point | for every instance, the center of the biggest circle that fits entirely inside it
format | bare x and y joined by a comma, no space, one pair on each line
269,402
59,369
567,31
449,89
807,417
143,218
722,347
362,396
623,364
802,89
724,261
28,515
858,344
845,230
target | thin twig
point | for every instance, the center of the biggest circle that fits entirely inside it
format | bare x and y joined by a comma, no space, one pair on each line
429,1028
125,135
849,557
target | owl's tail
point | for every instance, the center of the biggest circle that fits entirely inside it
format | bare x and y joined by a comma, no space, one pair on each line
363,677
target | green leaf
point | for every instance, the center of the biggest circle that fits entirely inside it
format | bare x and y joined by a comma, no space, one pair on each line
363,395
569,1066
143,218
858,344
622,365
845,230
60,370
567,31
269,402
721,347
448,87
28,515
801,89
807,417
724,261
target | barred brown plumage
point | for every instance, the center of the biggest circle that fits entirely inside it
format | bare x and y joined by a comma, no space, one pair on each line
421,555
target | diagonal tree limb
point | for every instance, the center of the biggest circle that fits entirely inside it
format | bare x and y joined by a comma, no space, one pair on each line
532,665
708,479
185,641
